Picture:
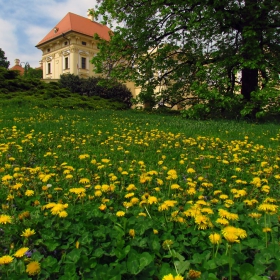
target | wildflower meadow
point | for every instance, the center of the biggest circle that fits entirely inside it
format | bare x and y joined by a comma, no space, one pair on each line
128,195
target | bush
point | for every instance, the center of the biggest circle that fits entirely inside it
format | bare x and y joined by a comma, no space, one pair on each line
93,86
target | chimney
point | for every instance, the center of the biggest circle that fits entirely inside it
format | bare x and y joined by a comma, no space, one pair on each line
17,61
90,14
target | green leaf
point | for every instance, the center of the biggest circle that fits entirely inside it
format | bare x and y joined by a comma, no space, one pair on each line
144,260
246,271
182,266
74,255
51,245
137,262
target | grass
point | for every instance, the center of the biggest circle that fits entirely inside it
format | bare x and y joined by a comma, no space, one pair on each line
129,195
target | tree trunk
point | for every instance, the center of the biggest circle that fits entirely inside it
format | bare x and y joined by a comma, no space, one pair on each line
249,82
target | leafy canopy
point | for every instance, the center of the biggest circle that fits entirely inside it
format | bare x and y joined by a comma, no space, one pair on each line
192,50
3,60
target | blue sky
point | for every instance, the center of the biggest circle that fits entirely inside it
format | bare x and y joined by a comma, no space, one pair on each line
23,23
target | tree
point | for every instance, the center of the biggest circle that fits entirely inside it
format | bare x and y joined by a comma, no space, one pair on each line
30,72
3,60
193,50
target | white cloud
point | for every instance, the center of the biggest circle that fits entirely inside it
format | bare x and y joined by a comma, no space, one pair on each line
8,39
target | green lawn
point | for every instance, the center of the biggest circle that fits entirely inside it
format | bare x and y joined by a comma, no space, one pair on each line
130,195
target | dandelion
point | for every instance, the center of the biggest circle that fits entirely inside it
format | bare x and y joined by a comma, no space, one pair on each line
167,244
222,221
172,174
268,208
57,208
5,219
191,191
255,215
194,274
266,229
84,156
6,259
152,200
120,213
29,193
28,232
63,214
33,268
215,238
84,181
77,191
131,187
21,252
131,233
98,193
171,277
231,234
102,207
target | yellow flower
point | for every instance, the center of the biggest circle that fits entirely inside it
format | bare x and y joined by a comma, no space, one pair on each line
266,229
172,174
222,221
152,200
132,232
255,215
129,195
167,244
21,252
120,213
268,208
193,274
57,208
63,214
4,219
131,187
98,193
102,207
175,187
171,277
28,232
134,200
33,268
191,191
29,193
84,181
6,259
77,190
215,238
84,156
190,170
155,231
231,234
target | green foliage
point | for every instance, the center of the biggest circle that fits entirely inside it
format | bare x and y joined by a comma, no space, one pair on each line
67,173
3,60
101,87
178,49
33,73
18,90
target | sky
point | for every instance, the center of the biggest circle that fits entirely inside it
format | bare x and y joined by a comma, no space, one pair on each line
24,23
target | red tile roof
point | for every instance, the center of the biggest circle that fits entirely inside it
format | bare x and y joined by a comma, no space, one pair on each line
76,23
18,68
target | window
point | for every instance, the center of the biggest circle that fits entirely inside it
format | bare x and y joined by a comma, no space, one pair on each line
49,68
49,50
84,43
66,63
65,43
83,63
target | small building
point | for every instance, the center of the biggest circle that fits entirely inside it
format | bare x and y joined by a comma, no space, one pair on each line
18,67
69,46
